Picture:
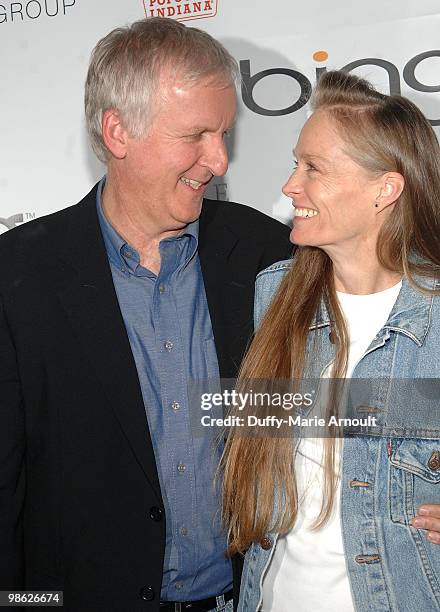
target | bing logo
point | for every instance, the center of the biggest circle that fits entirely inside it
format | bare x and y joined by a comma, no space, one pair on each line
320,57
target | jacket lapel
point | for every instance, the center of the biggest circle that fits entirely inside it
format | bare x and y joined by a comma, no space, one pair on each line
92,307
228,290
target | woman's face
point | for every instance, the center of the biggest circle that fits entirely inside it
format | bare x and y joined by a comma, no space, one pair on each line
334,197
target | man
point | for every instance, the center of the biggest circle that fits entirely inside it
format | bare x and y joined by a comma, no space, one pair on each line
108,310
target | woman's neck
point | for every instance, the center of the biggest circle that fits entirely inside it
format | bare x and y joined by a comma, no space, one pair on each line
363,278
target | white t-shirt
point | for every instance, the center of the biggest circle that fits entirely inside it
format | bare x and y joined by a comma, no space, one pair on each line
308,569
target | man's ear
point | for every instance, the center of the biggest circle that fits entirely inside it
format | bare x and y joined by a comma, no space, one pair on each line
391,186
114,134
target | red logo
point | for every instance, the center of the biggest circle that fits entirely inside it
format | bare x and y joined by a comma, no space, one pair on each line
182,10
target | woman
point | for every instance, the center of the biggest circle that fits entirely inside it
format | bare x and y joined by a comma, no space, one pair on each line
335,527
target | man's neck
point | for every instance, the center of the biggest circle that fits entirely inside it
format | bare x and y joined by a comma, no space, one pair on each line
133,225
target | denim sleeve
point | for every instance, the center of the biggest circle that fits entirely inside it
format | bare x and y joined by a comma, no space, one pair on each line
266,286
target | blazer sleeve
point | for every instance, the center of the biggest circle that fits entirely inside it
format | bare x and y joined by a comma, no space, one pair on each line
278,246
12,469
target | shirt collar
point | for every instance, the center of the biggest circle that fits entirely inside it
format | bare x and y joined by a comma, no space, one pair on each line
410,315
120,252
114,243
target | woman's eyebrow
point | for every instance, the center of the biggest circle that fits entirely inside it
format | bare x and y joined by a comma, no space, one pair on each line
310,156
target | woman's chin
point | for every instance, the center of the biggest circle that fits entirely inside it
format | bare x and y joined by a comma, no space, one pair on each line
300,238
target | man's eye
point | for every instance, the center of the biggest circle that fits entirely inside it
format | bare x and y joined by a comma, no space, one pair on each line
295,164
195,136
311,168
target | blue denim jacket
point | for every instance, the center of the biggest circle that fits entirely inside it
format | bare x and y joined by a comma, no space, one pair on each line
391,566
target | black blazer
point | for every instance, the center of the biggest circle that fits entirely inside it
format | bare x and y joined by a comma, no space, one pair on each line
80,503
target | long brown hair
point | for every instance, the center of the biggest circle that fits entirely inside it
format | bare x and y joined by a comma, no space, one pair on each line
382,134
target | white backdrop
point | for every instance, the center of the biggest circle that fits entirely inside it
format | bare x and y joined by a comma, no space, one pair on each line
45,160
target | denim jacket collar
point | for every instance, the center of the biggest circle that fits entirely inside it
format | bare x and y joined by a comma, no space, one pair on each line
410,315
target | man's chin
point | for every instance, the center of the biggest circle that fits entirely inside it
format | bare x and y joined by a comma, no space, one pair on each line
183,221
193,211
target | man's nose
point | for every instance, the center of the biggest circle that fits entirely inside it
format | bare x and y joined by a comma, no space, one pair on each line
215,156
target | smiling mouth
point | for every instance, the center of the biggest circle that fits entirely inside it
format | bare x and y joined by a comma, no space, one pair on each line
306,213
192,183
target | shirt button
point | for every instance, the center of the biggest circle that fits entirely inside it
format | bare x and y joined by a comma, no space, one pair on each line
175,406
179,586
434,461
181,468
162,288
156,514
147,593
183,531
168,345
266,543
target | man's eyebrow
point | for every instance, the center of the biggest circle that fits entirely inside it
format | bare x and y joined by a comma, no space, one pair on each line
193,129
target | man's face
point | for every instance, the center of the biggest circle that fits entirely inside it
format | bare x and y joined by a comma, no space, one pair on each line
167,170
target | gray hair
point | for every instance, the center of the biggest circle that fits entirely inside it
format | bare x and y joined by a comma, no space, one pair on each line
126,67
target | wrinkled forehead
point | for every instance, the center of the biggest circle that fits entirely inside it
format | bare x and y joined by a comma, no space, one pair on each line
173,87
323,123
320,135
173,69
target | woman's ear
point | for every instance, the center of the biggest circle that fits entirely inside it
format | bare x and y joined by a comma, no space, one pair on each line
391,186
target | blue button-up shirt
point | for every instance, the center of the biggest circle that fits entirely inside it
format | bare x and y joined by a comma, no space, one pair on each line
170,333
